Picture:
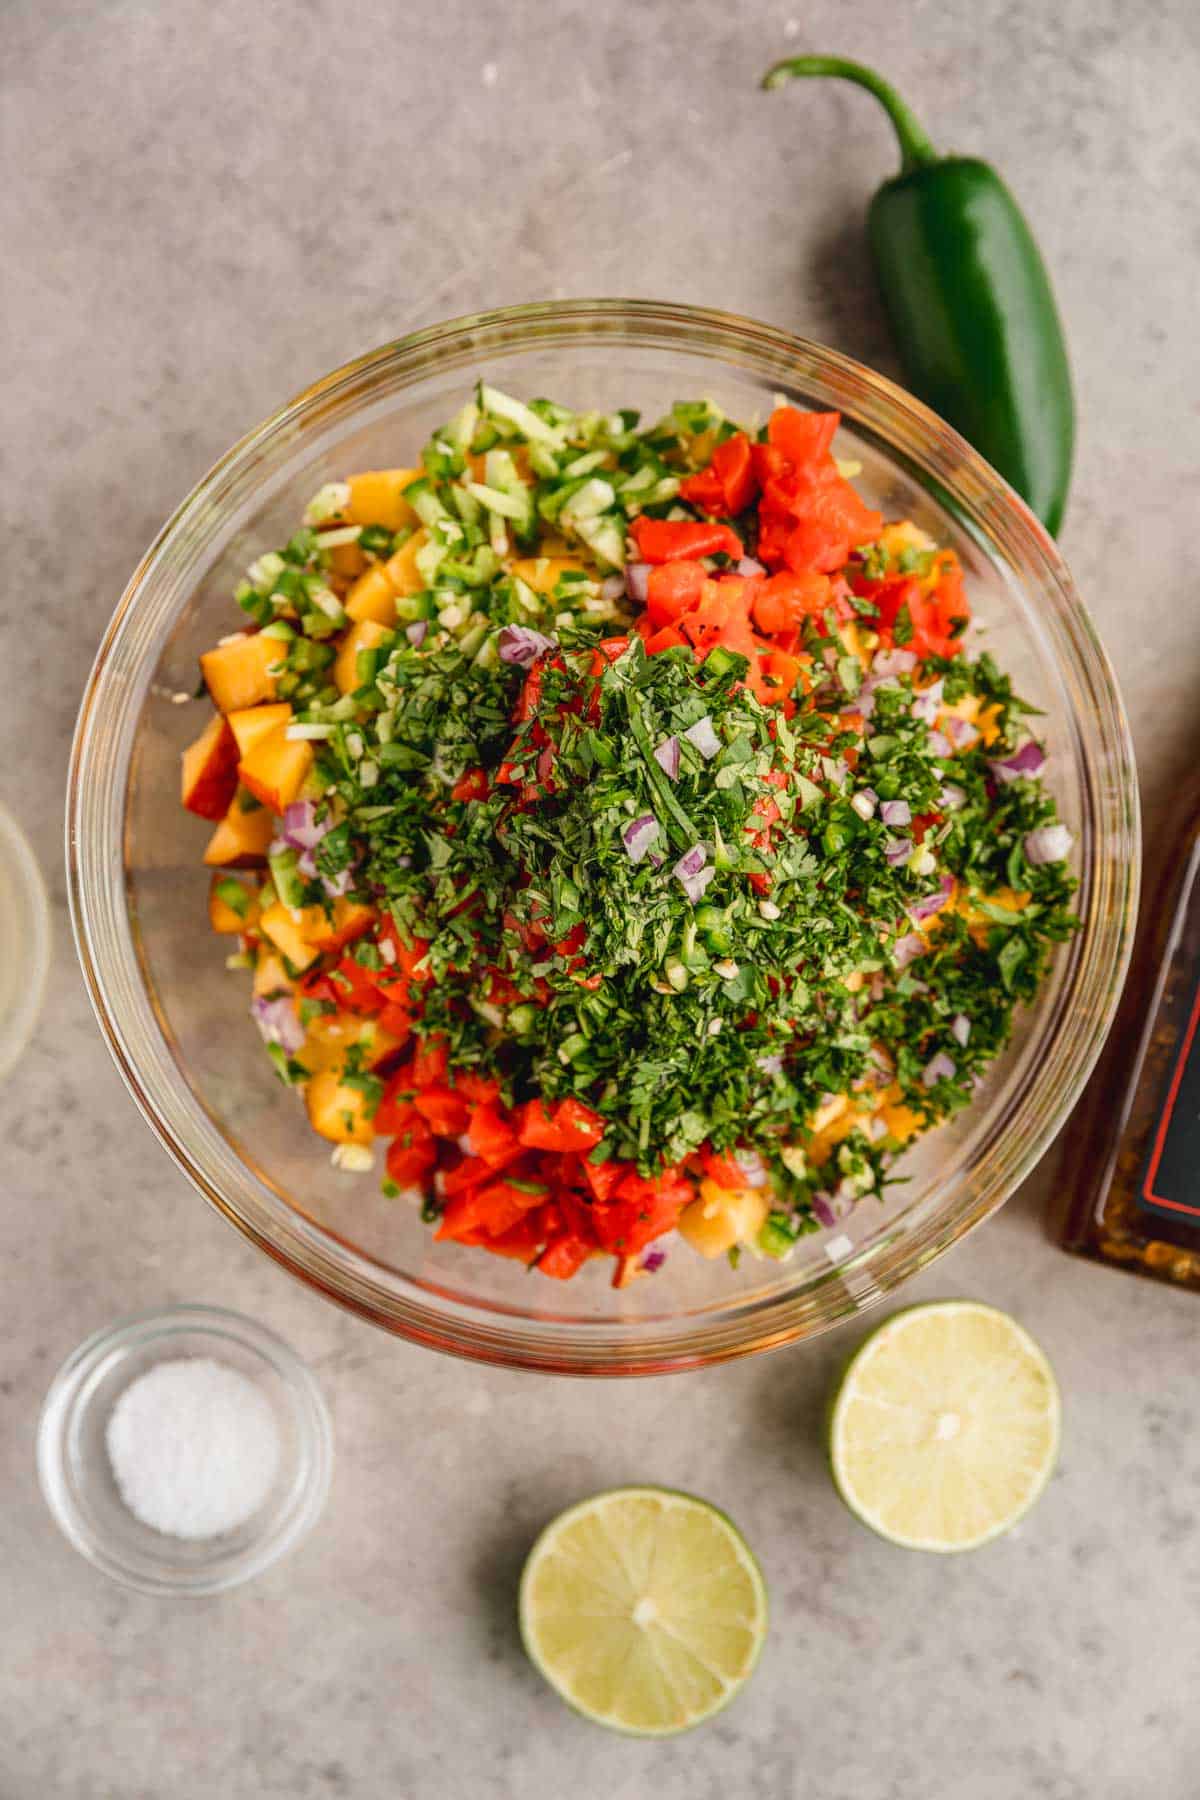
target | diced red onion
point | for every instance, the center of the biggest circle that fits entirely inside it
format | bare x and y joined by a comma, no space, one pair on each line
656,859
704,738
771,1064
952,797
752,1166
961,732
907,949
863,803
960,1029
522,645
896,812
928,904
692,872
876,1128
666,755
940,744
881,1065
1048,844
300,828
653,1260
927,704
1030,759
387,951
306,865
823,1210
837,772
337,885
748,566
612,587
897,852
864,702
415,633
637,581
545,763
638,836
939,1068
893,662
277,1021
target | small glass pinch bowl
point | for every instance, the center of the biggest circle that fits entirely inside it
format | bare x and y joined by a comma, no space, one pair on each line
77,1478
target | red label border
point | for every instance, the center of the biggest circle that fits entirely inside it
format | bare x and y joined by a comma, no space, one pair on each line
1160,1137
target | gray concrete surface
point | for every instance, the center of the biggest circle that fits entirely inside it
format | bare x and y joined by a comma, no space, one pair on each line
204,206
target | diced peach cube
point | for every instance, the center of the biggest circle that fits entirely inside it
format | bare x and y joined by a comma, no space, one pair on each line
208,779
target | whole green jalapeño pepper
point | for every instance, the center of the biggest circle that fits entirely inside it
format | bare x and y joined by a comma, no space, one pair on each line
969,300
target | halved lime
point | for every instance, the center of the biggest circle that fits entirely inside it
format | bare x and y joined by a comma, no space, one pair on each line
945,1428
644,1609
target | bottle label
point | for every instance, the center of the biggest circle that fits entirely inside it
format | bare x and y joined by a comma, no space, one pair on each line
1170,1184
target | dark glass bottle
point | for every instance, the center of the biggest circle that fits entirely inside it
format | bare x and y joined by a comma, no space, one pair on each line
1131,1174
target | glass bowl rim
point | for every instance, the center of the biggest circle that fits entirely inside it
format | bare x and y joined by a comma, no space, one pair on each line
135,1331
328,1262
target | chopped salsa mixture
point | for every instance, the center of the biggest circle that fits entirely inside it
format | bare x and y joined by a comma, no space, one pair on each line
617,833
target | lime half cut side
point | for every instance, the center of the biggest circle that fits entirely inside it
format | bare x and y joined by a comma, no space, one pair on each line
945,1428
644,1609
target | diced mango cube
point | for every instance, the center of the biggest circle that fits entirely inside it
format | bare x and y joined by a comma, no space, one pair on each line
721,1217
402,569
541,573
372,597
240,840
276,767
250,723
349,920
337,1112
270,976
377,498
238,673
223,915
283,929
364,634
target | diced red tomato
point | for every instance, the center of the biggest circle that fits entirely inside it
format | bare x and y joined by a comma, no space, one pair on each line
672,589
493,1137
355,987
472,784
568,1125
412,1155
448,1114
395,1111
430,1063
604,1178
409,969
783,600
493,1209
666,540
728,484
720,1167
564,1258
481,1090
643,1208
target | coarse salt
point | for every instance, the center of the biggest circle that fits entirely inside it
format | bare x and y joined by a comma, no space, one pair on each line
194,1447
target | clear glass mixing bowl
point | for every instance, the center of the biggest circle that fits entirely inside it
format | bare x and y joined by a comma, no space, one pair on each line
177,1023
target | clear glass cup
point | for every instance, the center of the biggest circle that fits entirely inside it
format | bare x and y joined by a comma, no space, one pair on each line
77,1478
177,1024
